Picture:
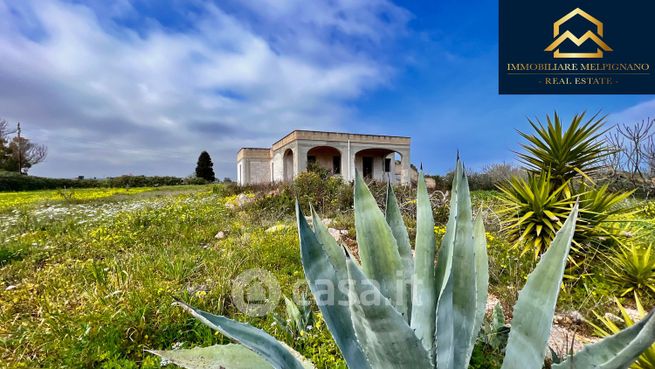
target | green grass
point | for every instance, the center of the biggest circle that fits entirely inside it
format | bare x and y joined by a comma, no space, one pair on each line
88,289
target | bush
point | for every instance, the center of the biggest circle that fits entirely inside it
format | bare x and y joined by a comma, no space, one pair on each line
487,180
30,183
329,195
632,268
195,181
142,181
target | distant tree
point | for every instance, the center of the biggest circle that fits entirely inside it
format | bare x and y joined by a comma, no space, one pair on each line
4,140
23,154
633,150
205,167
19,154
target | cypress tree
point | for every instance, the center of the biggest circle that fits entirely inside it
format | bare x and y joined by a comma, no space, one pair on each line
205,167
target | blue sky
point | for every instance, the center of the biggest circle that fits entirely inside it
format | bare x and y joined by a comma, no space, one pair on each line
143,86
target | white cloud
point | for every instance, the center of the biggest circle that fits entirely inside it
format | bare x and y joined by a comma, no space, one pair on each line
107,99
636,113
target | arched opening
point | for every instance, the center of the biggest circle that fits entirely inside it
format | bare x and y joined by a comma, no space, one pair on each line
287,164
379,164
325,157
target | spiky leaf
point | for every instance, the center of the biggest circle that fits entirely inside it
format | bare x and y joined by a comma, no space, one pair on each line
388,342
325,280
377,247
334,252
535,307
253,338
230,356
397,224
617,351
423,289
444,335
464,278
481,281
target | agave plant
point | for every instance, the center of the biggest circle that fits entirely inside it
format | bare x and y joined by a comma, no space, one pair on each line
299,319
399,310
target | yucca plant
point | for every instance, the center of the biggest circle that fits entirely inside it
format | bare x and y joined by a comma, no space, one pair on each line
401,311
632,268
598,208
534,210
609,327
565,153
561,162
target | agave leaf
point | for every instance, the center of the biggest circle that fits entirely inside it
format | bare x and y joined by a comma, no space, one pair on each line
399,230
444,334
326,280
617,351
293,312
423,290
334,252
482,280
387,340
464,277
253,338
230,356
535,307
377,247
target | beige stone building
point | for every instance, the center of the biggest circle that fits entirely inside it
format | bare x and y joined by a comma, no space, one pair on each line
376,157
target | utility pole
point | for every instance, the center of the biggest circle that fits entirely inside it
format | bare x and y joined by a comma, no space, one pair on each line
20,159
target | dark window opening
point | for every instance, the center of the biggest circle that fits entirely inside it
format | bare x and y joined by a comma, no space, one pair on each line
311,159
387,165
336,164
367,167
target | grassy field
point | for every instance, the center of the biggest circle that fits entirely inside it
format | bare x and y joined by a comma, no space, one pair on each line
87,277
90,283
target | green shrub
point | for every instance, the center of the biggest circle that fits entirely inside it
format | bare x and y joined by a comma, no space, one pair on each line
31,183
143,181
632,269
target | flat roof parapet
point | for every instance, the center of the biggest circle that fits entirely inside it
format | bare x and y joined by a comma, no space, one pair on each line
300,134
254,152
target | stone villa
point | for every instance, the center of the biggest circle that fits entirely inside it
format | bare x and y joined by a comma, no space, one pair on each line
376,157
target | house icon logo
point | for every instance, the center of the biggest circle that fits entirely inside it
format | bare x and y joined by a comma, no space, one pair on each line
589,35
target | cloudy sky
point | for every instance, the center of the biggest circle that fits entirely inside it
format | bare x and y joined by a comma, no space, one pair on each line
142,86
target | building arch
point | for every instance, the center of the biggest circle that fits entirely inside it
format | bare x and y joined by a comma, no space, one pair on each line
287,165
380,164
326,157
